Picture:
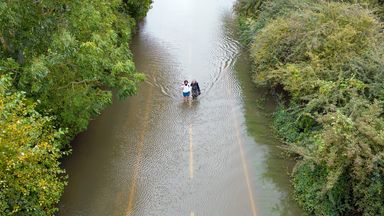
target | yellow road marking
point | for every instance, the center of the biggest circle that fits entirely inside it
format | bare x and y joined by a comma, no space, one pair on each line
190,152
245,168
243,160
140,145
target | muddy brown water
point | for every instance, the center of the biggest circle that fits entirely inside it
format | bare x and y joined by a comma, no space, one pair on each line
153,154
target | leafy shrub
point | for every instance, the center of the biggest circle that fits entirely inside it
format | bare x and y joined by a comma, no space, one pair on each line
136,8
285,125
329,58
260,12
309,183
31,180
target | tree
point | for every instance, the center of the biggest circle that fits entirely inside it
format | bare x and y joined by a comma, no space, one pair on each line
70,55
59,63
136,8
31,178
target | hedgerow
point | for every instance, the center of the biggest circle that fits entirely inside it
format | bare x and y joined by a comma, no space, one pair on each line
328,58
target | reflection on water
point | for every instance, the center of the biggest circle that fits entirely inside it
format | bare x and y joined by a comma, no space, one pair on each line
271,167
258,106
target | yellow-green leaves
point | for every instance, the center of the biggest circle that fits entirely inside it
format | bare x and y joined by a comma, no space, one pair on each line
31,179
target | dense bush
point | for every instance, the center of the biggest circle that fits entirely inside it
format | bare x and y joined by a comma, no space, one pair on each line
136,8
329,58
309,183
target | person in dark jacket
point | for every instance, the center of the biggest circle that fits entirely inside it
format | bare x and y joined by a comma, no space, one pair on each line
195,89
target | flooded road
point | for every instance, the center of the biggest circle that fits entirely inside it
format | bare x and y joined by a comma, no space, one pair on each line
153,154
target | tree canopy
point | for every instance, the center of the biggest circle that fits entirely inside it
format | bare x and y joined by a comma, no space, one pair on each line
69,55
59,63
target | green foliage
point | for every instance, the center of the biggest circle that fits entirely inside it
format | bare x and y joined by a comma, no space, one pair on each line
70,54
23,24
309,182
252,21
286,125
353,143
249,7
136,8
31,179
329,58
311,48
376,5
60,59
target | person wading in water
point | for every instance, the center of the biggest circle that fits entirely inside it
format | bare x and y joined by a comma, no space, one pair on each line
186,90
195,89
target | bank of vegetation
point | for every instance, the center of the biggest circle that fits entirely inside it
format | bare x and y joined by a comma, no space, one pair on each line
59,62
325,60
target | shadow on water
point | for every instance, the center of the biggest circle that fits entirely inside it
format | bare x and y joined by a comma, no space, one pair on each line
101,166
258,108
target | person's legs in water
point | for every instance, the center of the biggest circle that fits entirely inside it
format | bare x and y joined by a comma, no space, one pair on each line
194,94
195,89
186,89
186,96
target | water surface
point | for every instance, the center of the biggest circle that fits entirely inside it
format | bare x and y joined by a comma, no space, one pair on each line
153,154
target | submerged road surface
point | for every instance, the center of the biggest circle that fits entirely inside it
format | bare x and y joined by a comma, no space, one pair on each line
153,154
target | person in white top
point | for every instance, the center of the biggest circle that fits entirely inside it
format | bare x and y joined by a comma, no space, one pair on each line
186,90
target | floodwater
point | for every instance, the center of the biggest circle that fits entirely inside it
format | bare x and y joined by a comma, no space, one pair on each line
153,154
